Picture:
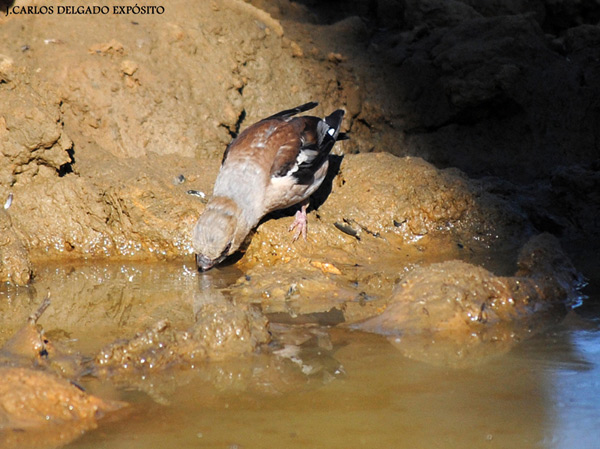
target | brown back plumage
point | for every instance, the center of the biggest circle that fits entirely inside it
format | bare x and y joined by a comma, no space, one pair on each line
281,139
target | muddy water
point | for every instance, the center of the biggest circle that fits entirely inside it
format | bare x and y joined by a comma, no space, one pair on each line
342,390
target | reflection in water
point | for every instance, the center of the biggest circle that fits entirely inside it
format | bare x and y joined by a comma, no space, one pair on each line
210,285
313,386
384,400
94,302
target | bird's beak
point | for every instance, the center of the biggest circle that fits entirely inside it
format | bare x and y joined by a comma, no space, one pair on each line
204,263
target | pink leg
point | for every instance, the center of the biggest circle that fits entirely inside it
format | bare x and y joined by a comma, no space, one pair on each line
300,222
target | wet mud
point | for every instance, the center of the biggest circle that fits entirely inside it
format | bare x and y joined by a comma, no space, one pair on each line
459,219
15,265
455,313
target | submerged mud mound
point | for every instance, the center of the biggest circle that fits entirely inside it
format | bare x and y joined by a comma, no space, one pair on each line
222,330
42,405
27,346
454,313
39,406
38,409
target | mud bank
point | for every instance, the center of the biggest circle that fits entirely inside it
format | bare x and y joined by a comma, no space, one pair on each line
100,150
383,215
93,148
15,266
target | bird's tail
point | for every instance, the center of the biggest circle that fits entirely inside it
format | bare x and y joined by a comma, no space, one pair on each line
328,130
297,110
334,120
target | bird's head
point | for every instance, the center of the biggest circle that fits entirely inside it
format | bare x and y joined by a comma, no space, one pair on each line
214,235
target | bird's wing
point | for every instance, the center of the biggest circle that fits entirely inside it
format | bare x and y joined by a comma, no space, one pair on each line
287,146
261,131
305,145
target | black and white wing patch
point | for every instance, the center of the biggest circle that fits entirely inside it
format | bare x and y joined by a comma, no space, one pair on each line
317,140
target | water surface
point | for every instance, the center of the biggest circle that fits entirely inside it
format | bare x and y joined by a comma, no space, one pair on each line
356,391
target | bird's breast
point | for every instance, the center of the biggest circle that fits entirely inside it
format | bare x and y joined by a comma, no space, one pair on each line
244,181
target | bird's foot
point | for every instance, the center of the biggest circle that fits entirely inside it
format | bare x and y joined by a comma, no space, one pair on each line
300,223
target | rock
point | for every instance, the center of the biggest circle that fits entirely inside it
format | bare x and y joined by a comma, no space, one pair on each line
296,50
129,67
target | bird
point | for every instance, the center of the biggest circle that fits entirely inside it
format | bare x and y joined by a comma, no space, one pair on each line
273,164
